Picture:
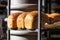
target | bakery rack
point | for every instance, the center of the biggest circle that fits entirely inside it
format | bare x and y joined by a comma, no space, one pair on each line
50,33
17,32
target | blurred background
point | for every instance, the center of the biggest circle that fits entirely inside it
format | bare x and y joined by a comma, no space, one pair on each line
50,6
3,15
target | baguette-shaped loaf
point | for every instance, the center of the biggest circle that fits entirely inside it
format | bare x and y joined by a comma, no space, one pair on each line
31,20
12,20
20,20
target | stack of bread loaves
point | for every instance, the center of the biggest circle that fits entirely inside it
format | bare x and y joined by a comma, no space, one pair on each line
23,20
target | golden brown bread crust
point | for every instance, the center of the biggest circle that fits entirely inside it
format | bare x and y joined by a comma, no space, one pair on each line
54,17
28,20
31,20
20,20
12,20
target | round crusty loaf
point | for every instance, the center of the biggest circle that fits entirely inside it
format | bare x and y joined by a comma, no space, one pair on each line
12,20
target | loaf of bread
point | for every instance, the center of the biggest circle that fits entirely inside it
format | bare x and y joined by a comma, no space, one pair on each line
54,17
51,18
31,20
12,20
20,20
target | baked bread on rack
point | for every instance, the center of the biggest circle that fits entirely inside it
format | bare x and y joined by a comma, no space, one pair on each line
31,20
28,20
12,20
54,17
21,20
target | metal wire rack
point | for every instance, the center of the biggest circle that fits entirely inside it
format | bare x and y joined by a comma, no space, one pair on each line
35,31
